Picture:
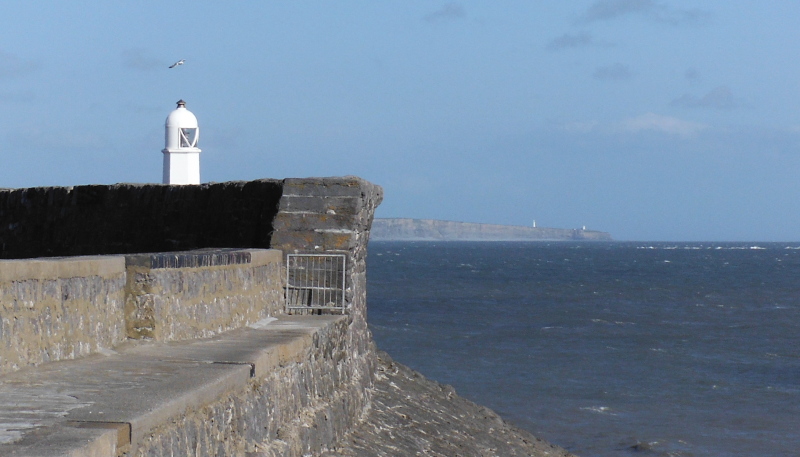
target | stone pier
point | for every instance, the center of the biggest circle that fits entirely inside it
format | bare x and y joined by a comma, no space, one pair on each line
150,320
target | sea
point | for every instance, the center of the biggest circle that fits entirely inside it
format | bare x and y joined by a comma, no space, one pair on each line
605,348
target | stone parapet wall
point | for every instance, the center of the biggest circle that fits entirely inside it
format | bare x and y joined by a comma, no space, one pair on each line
298,407
182,296
163,296
136,218
64,308
57,309
330,215
333,215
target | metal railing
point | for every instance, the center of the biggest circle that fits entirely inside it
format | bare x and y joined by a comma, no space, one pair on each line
315,282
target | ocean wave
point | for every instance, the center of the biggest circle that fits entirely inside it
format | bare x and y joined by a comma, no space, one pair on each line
599,410
712,247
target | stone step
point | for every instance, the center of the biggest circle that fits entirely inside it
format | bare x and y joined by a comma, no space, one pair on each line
105,404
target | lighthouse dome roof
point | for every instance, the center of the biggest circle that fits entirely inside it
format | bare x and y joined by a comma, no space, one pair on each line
181,117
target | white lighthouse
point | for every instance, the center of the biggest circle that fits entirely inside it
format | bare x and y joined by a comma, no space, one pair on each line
181,154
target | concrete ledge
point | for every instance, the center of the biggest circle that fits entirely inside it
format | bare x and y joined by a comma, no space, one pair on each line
62,440
202,258
261,257
143,386
61,267
345,186
262,348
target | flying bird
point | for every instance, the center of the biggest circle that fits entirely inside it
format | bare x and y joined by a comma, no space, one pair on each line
180,62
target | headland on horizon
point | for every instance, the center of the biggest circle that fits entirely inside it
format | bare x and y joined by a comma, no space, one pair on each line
405,229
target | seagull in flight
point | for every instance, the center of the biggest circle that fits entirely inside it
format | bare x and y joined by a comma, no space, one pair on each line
180,62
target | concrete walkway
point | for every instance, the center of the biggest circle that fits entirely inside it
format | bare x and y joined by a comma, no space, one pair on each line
107,403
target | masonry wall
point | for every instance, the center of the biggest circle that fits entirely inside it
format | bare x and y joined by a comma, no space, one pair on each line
298,409
136,218
65,308
331,215
59,311
189,295
303,405
299,215
56,309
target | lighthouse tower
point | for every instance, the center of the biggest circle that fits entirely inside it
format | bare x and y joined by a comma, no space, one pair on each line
181,154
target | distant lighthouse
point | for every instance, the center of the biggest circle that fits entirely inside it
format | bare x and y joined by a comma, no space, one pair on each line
181,154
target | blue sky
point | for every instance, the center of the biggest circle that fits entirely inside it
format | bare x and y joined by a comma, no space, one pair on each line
652,120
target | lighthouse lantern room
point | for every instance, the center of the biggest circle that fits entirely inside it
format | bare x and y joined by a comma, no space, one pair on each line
181,154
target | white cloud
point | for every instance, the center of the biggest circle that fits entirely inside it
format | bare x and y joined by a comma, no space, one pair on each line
41,138
579,126
608,9
140,60
447,12
12,66
16,97
603,10
570,40
718,98
649,122
664,124
614,72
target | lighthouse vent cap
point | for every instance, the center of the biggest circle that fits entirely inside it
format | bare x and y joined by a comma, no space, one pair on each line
181,117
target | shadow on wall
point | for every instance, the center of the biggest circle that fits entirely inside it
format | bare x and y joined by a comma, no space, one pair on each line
136,218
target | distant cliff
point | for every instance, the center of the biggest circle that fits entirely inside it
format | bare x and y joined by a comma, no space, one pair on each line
433,230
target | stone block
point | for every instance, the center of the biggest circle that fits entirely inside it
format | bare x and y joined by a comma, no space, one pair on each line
286,221
348,186
309,242
320,204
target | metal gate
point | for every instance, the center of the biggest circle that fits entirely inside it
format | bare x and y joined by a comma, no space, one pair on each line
315,282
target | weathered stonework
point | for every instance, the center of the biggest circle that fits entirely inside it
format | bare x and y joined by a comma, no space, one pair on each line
330,215
347,206
303,407
202,296
59,309
297,409
168,301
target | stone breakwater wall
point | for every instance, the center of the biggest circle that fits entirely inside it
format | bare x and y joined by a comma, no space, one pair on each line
314,392
294,215
300,407
332,215
56,309
277,386
64,308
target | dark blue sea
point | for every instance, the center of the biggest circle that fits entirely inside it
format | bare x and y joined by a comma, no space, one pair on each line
607,349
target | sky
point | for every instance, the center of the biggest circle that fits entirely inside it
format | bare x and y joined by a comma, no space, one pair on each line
651,120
